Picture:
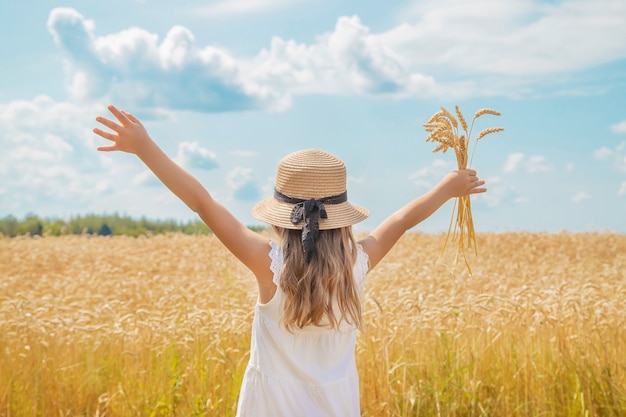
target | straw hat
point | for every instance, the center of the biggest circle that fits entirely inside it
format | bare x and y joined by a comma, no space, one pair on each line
305,175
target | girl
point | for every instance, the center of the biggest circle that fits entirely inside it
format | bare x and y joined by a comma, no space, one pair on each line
302,360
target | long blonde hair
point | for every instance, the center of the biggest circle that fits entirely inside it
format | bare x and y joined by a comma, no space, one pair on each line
321,292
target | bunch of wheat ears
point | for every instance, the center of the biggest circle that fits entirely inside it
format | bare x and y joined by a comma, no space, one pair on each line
443,128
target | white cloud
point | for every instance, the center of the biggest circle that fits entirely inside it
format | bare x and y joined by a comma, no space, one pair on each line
49,156
244,185
79,86
532,164
146,177
580,196
428,176
499,190
616,156
521,200
26,153
224,8
132,67
537,163
512,162
619,128
191,155
43,115
442,164
511,38
602,153
73,27
355,180
431,55
45,126
348,60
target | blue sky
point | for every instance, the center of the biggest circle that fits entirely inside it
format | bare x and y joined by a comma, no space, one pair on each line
228,88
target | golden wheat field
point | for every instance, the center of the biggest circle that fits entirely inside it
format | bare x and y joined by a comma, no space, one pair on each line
159,326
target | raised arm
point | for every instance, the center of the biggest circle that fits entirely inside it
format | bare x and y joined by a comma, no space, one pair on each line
458,183
129,135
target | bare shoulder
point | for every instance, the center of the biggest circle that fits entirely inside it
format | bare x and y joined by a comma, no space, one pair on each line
370,247
378,243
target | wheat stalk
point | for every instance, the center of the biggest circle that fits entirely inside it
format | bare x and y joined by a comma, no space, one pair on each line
443,127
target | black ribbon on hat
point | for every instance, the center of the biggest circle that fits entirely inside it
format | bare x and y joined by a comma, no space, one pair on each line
309,212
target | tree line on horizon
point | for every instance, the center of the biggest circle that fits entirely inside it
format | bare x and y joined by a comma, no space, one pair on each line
101,225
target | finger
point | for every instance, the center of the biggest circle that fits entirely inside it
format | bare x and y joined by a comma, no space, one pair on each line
471,172
476,187
108,123
119,115
107,148
131,117
106,135
476,183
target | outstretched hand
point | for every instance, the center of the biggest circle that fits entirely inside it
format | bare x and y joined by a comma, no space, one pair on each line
129,135
463,182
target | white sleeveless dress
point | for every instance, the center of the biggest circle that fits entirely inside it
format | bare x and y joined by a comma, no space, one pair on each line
308,373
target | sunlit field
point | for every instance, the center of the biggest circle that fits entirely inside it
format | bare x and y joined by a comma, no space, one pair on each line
160,326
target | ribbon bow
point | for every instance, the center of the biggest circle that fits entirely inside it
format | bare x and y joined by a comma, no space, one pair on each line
309,212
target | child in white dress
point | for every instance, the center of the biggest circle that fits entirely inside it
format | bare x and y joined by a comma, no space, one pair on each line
302,354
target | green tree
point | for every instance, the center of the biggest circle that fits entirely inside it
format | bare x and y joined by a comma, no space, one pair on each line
8,226
31,225
105,230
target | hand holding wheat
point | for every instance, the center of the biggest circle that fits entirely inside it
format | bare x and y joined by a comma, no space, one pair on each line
463,182
443,128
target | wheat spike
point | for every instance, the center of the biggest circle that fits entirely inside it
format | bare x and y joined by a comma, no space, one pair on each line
449,123
461,118
489,131
435,117
443,148
436,127
486,111
450,117
443,139
435,135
